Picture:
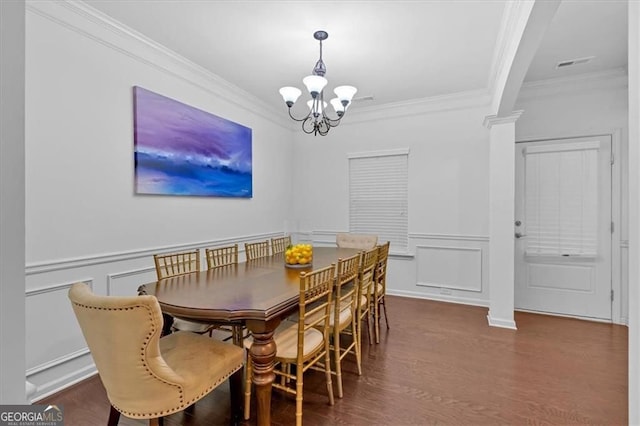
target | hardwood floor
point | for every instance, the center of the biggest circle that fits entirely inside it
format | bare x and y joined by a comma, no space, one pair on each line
441,364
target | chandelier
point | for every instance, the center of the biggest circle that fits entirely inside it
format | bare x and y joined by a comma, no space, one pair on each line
317,121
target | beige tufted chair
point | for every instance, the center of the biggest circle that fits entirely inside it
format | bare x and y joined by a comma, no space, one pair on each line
147,377
356,241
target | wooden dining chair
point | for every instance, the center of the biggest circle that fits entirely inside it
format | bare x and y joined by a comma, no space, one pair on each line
174,264
380,289
219,257
365,280
256,250
145,376
344,316
279,245
304,343
356,241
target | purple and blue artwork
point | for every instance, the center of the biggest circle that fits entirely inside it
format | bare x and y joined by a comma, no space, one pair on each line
181,150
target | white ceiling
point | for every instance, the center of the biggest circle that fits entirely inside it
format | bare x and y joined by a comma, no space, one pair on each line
392,50
583,28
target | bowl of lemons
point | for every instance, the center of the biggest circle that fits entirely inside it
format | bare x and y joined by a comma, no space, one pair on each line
298,256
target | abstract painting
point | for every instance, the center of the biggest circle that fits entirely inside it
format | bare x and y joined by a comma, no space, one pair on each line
182,150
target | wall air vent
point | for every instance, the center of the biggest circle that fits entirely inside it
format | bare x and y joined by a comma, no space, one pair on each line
572,62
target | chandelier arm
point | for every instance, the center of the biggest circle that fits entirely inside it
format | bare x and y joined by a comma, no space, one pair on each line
298,119
333,122
312,128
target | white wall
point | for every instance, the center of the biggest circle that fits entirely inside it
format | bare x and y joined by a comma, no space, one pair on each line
83,220
12,311
591,105
448,191
634,212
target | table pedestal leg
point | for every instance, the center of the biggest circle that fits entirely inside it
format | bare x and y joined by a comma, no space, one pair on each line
263,353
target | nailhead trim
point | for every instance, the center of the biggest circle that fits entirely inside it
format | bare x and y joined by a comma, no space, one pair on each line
182,405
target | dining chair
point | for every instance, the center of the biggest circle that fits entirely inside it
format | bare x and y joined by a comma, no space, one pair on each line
344,316
219,257
304,343
380,289
279,245
256,250
174,264
365,289
145,376
357,241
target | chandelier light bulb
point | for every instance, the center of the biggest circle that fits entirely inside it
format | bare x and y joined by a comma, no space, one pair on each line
345,93
337,106
314,84
290,95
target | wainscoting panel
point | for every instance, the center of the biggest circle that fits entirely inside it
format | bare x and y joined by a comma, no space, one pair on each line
57,355
446,267
127,283
455,268
49,317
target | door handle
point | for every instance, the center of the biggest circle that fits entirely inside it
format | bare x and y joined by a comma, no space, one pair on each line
519,235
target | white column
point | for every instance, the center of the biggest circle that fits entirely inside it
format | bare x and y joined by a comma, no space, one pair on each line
501,217
634,212
12,236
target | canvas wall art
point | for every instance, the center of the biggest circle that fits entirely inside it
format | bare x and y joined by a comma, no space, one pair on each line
182,150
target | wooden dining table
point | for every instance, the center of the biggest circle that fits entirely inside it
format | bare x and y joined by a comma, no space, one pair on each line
258,293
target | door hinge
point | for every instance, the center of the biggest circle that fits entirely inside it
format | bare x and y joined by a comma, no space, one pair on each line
612,227
612,295
613,159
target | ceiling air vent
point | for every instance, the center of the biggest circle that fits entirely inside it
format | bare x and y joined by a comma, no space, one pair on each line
363,98
571,62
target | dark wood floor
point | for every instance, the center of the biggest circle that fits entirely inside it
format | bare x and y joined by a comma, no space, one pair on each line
440,364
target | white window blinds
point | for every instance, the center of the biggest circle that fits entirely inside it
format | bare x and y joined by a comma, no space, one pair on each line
561,200
378,196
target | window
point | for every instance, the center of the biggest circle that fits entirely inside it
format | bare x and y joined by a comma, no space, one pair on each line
378,196
561,199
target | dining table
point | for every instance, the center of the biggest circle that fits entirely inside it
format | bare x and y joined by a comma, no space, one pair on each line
258,293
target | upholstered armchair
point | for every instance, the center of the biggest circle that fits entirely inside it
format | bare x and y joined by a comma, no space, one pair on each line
147,377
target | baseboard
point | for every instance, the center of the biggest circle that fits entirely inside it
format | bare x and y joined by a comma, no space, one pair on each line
438,298
501,323
92,371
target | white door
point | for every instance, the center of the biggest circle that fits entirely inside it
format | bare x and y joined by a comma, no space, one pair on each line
563,227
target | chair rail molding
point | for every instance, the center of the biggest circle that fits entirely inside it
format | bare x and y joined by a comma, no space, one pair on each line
456,237
97,259
56,287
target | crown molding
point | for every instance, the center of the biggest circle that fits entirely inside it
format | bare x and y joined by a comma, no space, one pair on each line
504,40
492,120
83,19
514,19
611,79
440,103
